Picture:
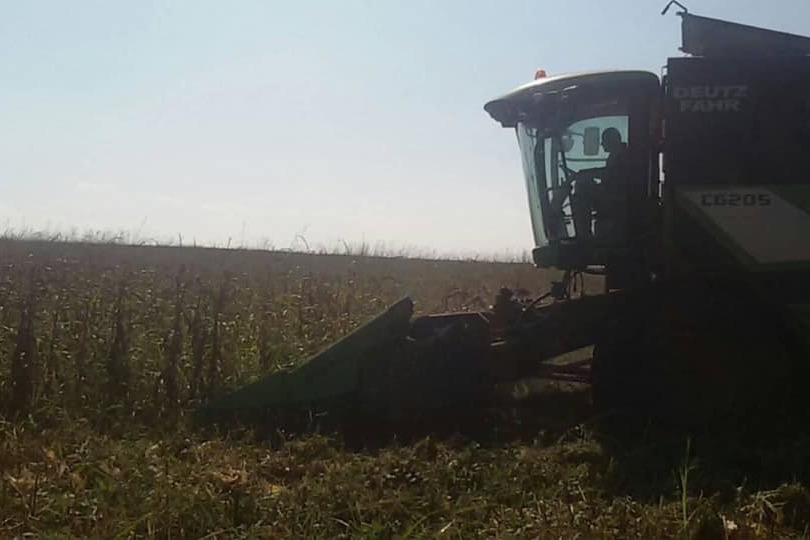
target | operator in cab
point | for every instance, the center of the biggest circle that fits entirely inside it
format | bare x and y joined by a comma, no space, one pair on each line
608,196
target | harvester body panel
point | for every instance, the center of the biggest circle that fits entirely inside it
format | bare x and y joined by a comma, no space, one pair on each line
736,160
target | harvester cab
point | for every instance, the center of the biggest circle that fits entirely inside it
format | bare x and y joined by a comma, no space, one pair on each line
706,259
737,121
591,205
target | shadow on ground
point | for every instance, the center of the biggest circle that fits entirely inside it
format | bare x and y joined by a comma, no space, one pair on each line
637,456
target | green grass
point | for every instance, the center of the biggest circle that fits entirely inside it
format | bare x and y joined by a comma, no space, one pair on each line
120,343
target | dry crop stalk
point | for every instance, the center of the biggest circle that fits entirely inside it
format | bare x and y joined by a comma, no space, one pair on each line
198,338
215,360
82,355
24,360
5,299
52,375
117,363
265,355
174,349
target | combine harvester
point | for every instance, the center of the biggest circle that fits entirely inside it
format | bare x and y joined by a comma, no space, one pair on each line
689,193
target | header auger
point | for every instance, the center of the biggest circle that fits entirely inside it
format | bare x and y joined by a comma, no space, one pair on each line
689,193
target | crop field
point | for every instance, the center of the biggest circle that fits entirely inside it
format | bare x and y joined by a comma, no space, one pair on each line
106,349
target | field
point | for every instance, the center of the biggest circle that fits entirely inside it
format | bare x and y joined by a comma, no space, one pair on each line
105,349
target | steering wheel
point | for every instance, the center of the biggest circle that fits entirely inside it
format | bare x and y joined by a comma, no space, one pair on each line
570,174
562,205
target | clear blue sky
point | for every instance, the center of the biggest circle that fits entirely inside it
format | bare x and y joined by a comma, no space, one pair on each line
261,120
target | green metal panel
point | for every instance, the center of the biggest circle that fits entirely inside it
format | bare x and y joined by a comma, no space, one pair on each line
333,373
764,227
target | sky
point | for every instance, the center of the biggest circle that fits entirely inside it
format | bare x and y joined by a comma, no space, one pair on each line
286,124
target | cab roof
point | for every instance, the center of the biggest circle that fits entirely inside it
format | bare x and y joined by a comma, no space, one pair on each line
510,108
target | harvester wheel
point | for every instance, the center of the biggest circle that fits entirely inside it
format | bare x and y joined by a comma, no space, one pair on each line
709,359
618,378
